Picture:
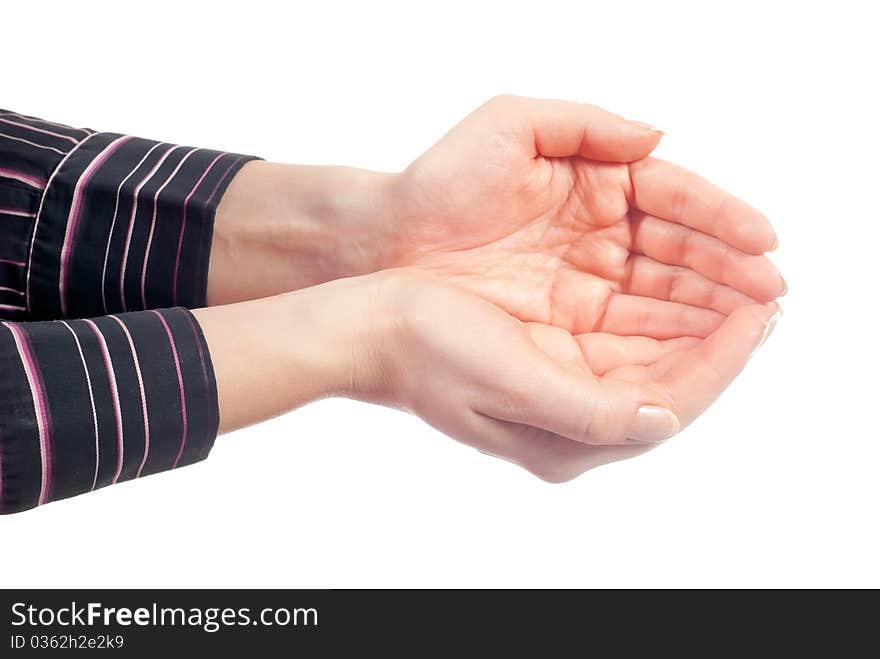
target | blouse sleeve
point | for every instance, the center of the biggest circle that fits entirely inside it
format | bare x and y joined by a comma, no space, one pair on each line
94,223
89,403
116,229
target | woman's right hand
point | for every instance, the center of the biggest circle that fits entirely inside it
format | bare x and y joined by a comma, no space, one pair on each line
534,394
555,403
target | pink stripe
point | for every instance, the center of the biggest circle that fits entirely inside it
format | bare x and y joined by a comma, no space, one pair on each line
38,395
10,211
40,130
114,394
48,123
131,220
180,384
113,223
6,289
33,181
183,224
27,286
10,262
76,210
82,359
10,307
153,226
140,380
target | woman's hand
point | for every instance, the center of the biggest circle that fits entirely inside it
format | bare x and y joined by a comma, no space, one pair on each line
550,294
549,209
555,403
533,393
538,207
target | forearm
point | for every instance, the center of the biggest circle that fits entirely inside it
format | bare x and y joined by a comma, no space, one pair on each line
274,354
286,227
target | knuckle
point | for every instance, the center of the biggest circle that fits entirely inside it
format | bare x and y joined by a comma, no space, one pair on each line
596,429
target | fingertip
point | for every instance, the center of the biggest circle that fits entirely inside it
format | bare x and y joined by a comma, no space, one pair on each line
643,124
627,142
752,232
769,326
644,140
653,425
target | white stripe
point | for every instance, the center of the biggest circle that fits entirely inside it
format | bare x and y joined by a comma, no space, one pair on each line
27,284
39,146
18,124
43,121
113,223
114,396
82,358
143,391
153,224
85,175
15,213
137,192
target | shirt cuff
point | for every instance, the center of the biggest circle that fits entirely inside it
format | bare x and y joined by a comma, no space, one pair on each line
124,224
89,403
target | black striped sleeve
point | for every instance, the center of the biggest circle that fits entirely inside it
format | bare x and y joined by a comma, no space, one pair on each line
89,403
94,223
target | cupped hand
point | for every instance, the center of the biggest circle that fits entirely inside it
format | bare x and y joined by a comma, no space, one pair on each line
553,211
555,403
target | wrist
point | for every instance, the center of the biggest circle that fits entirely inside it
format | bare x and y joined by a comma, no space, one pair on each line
286,227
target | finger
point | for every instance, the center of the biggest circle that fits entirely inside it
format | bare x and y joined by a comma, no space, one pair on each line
548,456
605,352
675,194
644,316
752,275
696,378
647,277
536,391
557,129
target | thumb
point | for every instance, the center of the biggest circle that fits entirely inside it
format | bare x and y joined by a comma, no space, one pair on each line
559,129
581,406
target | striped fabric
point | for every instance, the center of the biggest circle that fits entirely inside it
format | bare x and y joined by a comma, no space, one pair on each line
93,224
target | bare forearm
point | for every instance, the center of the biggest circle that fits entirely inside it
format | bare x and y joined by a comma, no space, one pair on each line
277,353
286,227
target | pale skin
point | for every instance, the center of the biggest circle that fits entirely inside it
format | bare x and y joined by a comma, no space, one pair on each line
535,285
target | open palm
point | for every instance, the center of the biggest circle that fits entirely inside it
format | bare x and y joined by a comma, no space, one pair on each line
524,203
620,265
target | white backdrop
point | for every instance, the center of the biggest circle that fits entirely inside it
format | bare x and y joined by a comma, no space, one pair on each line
777,485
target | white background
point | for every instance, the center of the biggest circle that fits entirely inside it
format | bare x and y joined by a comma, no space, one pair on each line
776,485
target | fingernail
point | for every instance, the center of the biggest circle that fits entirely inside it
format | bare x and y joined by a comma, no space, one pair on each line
648,126
775,244
784,285
654,425
768,330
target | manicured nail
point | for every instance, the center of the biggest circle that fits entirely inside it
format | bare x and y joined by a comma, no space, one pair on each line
768,330
648,126
654,425
784,285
